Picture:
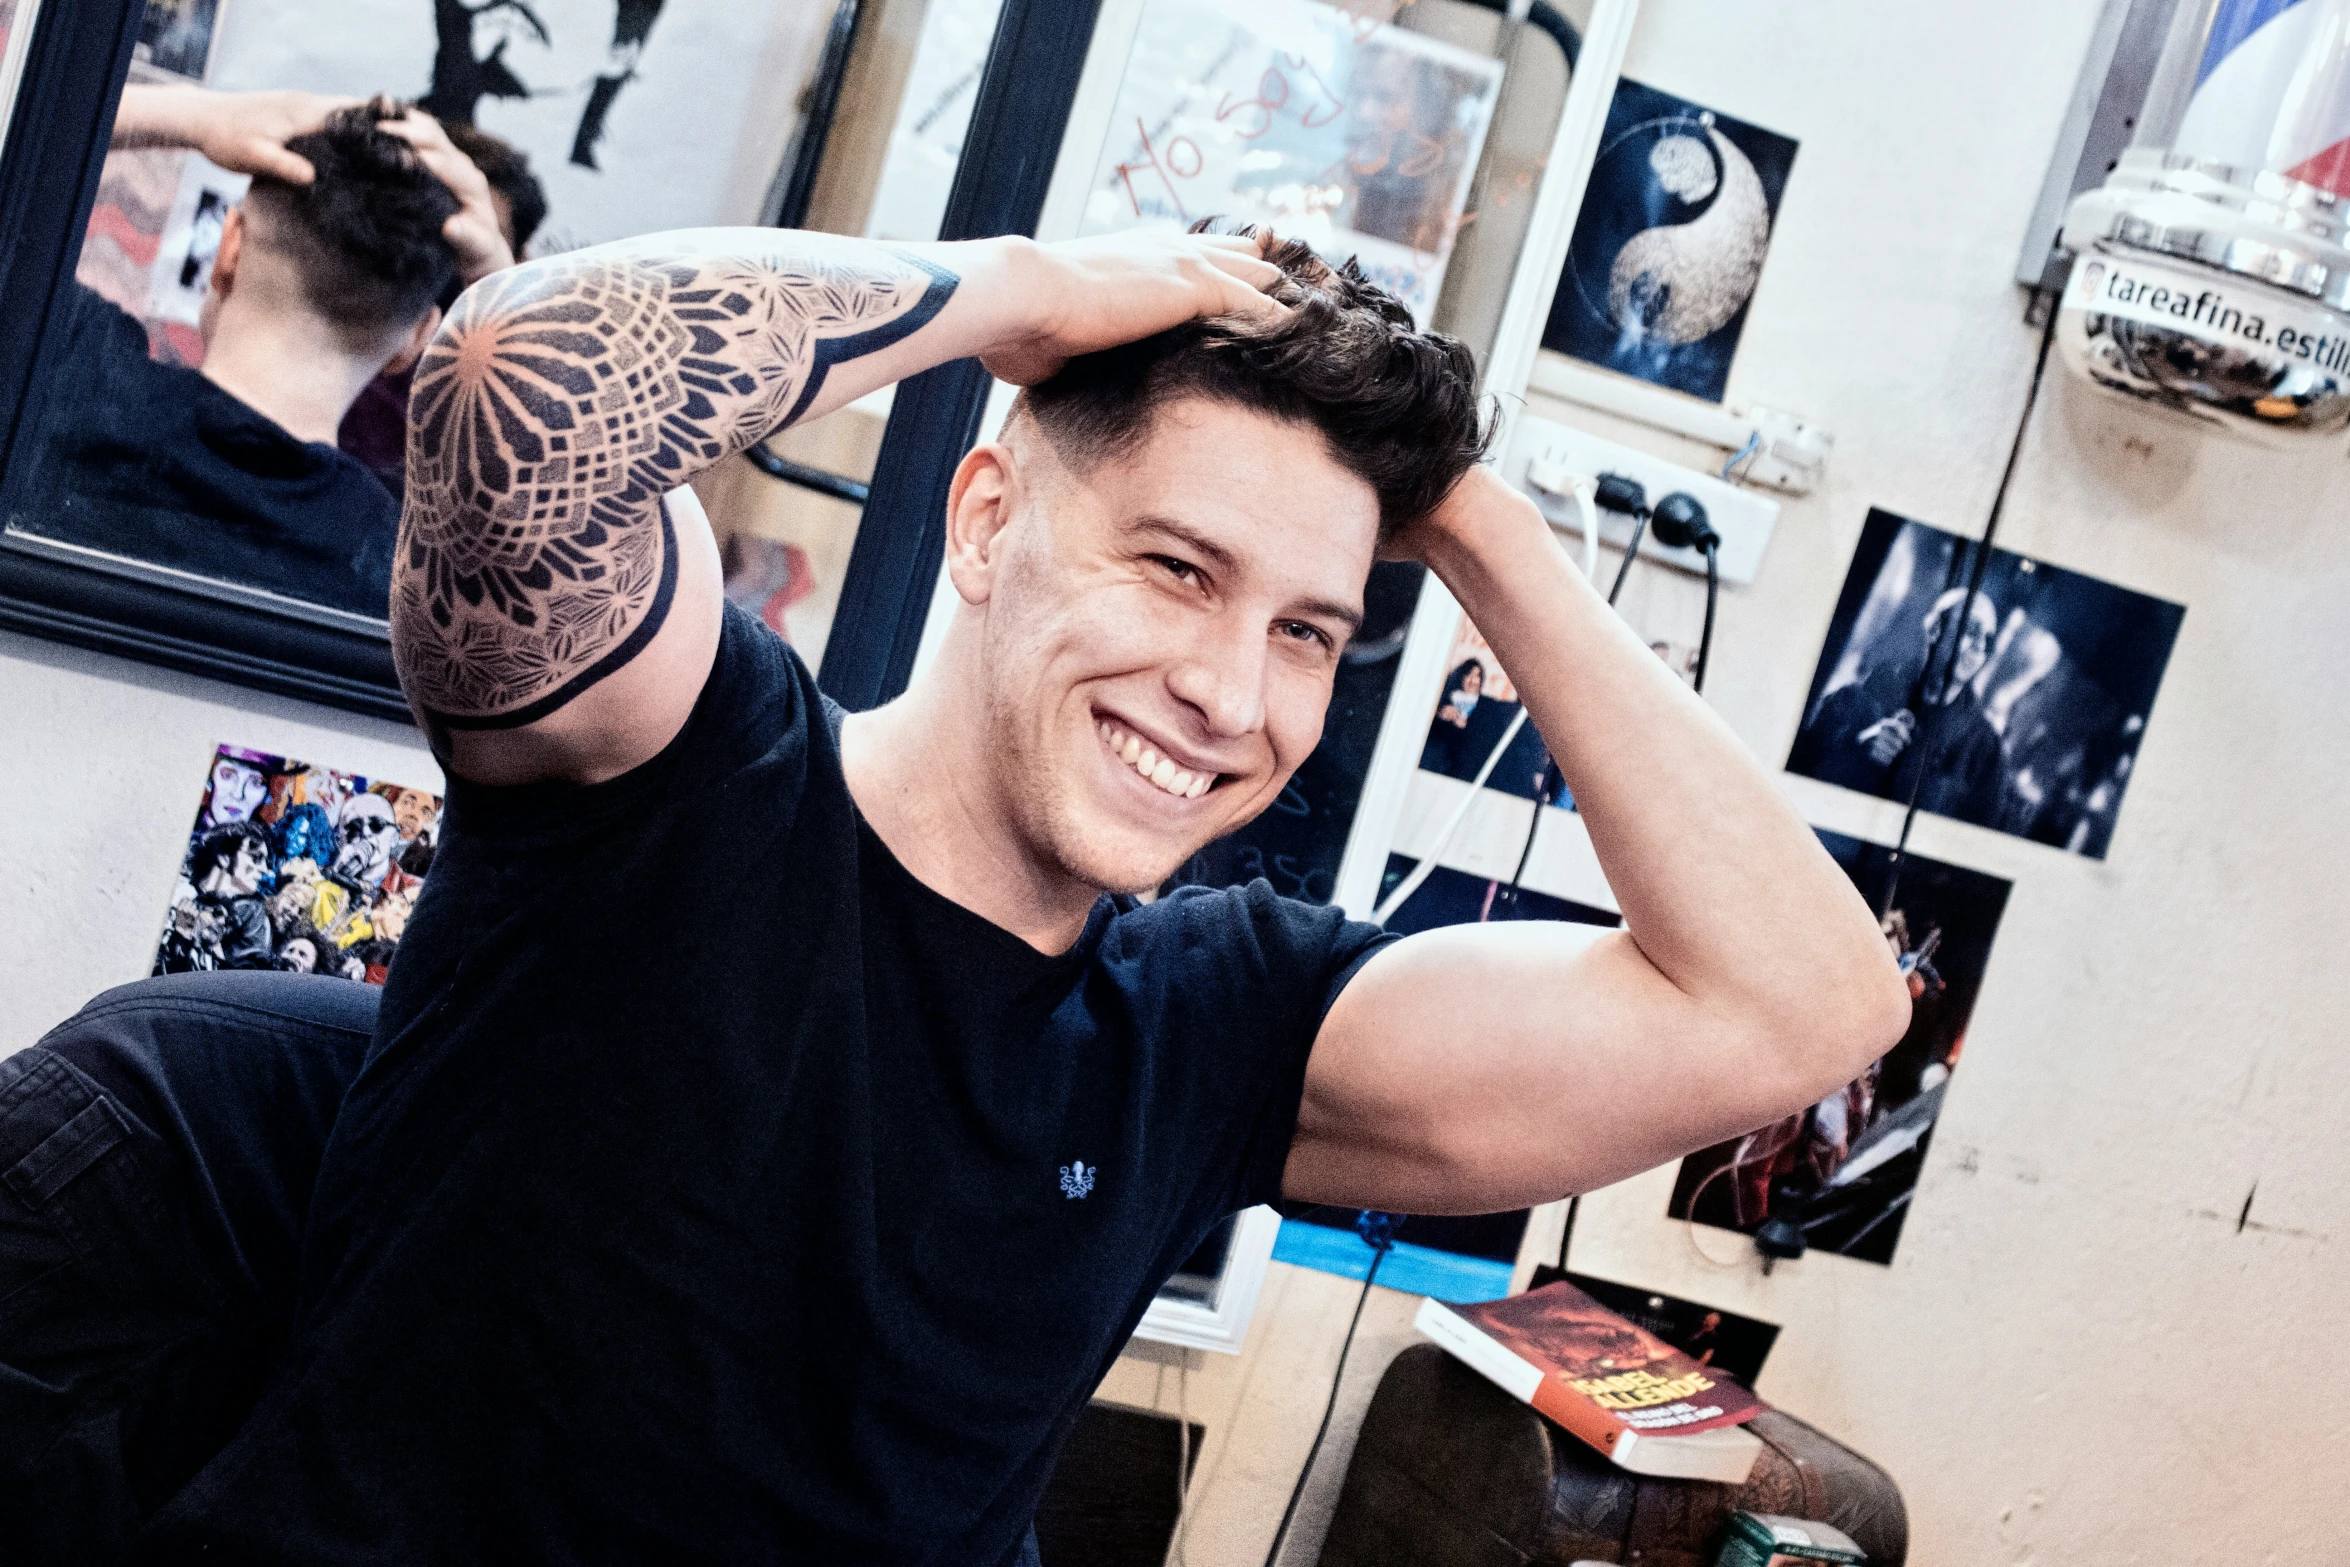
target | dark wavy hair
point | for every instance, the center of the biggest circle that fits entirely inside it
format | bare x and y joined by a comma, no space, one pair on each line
366,233
1398,406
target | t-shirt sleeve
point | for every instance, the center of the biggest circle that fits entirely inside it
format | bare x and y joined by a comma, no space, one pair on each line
1251,975
753,712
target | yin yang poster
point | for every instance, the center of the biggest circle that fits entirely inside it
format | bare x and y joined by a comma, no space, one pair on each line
1670,243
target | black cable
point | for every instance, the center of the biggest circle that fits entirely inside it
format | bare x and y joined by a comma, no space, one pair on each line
1713,591
1631,552
1379,1248
1550,19
1966,610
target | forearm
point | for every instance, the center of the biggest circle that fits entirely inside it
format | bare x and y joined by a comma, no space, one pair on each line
153,116
1723,888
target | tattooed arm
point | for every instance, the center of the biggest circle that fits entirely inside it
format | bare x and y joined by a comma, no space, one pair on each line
556,598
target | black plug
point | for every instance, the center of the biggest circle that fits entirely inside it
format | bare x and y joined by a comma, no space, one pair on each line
1680,522
1618,493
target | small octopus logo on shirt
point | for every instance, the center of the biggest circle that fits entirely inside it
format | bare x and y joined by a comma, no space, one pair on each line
1077,1180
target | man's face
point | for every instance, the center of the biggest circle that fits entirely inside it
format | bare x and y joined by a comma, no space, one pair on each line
1161,635
412,809
238,788
367,833
1974,648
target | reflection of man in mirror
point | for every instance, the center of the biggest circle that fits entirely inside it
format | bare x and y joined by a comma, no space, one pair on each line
1875,733
328,272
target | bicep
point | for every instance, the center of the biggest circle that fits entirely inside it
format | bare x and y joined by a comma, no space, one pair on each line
1478,1068
556,597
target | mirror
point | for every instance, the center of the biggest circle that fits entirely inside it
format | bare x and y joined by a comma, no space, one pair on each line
211,453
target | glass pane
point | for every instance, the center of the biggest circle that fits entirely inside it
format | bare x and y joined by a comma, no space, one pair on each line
238,430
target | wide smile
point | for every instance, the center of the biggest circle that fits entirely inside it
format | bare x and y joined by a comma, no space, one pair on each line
1147,762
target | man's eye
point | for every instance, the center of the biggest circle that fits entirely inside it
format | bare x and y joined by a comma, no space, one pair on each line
1183,570
1304,631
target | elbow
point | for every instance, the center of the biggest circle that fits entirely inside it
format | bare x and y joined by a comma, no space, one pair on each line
1863,1012
1850,1013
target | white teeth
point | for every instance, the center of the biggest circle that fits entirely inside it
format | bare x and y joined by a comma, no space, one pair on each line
1160,770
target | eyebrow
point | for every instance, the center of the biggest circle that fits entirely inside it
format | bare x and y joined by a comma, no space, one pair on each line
1224,560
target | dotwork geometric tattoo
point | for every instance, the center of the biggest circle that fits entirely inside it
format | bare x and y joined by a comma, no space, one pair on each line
559,405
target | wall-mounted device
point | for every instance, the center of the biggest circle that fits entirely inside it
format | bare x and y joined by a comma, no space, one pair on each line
2211,270
1545,459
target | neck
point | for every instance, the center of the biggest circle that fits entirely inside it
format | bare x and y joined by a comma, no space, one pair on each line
288,365
919,771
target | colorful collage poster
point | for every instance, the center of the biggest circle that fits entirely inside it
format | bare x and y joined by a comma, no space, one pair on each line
298,868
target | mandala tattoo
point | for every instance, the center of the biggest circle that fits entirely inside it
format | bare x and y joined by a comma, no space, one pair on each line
550,417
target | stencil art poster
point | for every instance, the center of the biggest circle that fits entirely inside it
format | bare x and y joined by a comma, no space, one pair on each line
1843,1170
298,868
1670,243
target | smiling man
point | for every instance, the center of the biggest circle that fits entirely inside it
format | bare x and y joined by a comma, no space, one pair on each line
797,1223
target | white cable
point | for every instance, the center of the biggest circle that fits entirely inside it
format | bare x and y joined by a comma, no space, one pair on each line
1420,872
1587,502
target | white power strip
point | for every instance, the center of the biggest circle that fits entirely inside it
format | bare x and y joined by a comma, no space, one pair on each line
1544,459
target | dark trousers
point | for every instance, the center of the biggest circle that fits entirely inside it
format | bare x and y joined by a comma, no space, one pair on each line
156,1158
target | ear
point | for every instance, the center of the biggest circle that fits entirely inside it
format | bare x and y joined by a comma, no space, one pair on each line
412,346
979,506
230,253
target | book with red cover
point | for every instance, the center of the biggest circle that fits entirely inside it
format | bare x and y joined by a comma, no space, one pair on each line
1644,1404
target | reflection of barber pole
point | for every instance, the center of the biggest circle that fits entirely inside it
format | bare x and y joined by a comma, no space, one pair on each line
2272,91
2215,279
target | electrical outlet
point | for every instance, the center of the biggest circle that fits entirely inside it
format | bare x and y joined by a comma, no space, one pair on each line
1545,458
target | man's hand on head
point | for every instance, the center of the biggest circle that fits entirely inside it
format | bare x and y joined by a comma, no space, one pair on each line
1090,294
244,132
474,230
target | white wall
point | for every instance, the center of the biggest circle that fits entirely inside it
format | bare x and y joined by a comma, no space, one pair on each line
2077,1355
102,766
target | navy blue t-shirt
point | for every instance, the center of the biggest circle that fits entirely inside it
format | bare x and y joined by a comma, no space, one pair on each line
716,1191
154,462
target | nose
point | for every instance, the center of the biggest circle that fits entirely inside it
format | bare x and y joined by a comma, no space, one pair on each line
1222,679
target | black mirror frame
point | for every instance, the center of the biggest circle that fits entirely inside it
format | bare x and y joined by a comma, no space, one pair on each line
75,65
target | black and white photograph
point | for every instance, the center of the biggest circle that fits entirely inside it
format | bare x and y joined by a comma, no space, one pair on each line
2015,699
1675,226
1842,1171
1477,706
1450,897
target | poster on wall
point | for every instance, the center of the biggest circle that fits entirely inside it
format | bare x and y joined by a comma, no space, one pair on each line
298,868
1479,703
1843,1170
2027,719
1331,125
1666,252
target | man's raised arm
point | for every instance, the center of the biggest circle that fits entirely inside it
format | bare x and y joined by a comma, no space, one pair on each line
556,597
1484,1067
